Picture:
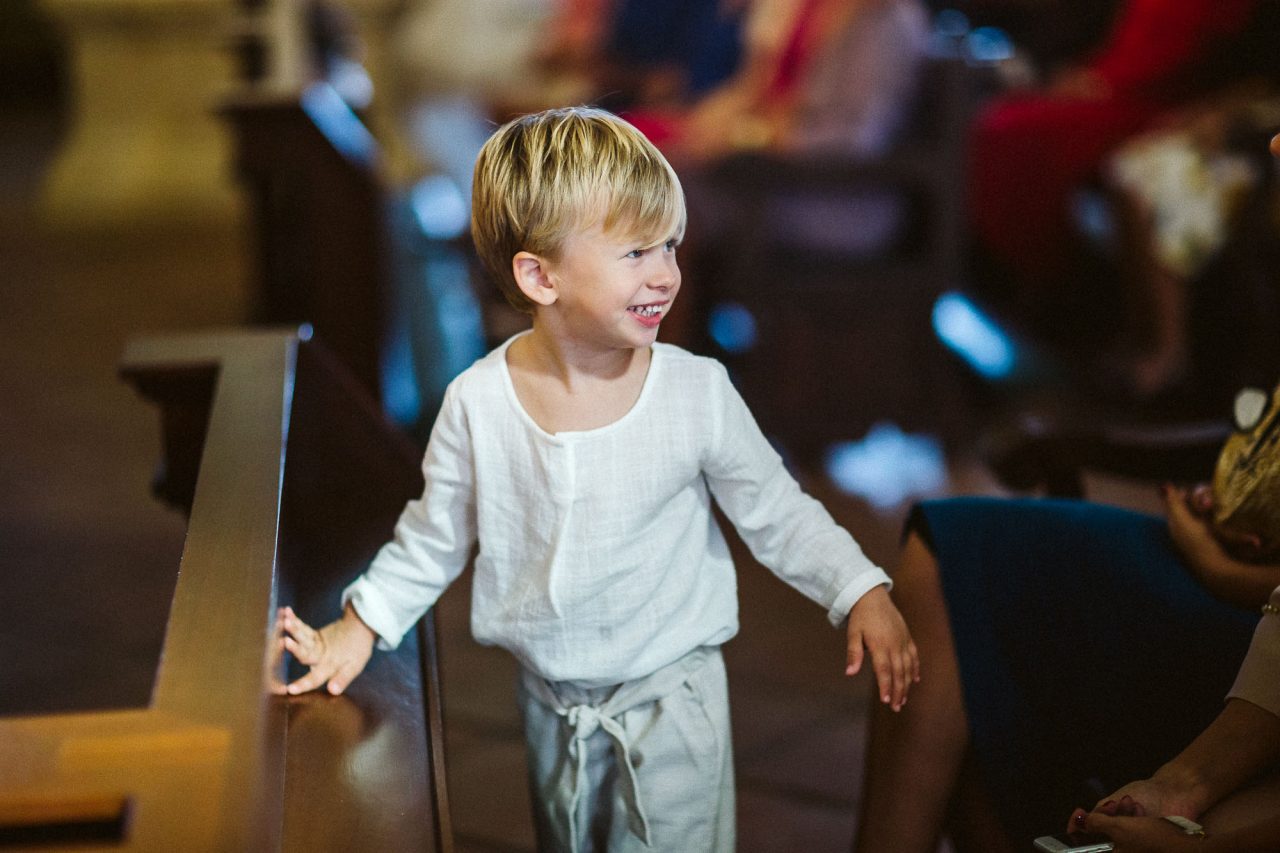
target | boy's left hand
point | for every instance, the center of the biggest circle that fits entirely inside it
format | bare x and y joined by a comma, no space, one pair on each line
874,622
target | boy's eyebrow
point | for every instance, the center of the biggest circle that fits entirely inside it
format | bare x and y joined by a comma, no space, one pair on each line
631,243
645,245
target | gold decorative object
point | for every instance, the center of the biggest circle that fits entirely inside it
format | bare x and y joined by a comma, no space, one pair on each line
1246,480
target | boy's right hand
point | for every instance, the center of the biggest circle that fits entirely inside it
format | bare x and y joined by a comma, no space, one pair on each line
337,653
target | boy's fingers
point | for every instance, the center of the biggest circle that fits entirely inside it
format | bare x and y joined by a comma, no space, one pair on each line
304,654
342,679
903,669
884,678
853,657
313,679
295,626
308,645
899,669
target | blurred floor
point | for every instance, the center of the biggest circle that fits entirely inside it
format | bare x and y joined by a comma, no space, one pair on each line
90,558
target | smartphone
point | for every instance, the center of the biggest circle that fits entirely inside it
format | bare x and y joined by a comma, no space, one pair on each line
1076,842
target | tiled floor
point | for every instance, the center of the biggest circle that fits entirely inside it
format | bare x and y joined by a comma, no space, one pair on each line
87,551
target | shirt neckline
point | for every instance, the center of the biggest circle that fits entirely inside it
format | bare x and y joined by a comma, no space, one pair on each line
509,388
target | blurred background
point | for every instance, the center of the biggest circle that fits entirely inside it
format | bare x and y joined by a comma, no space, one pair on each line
917,228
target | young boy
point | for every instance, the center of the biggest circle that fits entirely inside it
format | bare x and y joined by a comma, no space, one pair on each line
583,457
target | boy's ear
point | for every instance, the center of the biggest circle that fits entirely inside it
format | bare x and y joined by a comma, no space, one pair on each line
533,278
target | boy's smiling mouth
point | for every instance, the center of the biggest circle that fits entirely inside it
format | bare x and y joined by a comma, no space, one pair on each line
649,316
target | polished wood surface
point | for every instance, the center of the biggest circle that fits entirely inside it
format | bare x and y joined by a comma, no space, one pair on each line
299,479
359,774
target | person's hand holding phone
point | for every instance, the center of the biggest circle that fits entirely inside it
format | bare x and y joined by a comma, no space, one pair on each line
1074,842
1137,834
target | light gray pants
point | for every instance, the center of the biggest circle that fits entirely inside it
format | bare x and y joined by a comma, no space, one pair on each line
646,765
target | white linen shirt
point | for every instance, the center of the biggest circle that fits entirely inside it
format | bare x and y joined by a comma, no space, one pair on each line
599,558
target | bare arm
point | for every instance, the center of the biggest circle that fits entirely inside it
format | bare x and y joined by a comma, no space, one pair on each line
1241,742
1155,835
1259,837
1235,581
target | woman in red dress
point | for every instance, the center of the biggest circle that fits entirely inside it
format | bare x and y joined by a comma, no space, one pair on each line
1032,150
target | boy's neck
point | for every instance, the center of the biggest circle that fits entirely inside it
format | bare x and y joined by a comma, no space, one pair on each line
572,363
564,388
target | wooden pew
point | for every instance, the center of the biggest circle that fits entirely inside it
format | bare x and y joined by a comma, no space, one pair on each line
317,201
340,246
291,479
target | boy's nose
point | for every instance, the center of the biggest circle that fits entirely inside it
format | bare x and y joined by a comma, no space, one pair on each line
666,277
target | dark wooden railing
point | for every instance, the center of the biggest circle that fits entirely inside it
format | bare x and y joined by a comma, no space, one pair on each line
291,478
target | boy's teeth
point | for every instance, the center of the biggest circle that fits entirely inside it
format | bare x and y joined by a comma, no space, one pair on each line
646,310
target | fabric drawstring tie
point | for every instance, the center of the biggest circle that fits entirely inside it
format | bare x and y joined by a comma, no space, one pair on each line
586,719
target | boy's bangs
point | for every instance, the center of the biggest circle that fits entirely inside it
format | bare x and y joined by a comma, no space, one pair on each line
647,211
589,167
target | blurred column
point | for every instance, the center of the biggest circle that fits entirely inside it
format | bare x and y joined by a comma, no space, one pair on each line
377,21
144,145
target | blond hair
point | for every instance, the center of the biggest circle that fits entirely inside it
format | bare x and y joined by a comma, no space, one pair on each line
545,175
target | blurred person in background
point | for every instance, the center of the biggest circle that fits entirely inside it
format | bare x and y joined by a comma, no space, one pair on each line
468,65
826,78
1033,150
816,75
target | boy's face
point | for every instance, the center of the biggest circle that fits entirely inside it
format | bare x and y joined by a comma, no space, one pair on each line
613,290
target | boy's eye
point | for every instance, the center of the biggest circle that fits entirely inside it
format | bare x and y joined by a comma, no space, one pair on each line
669,246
